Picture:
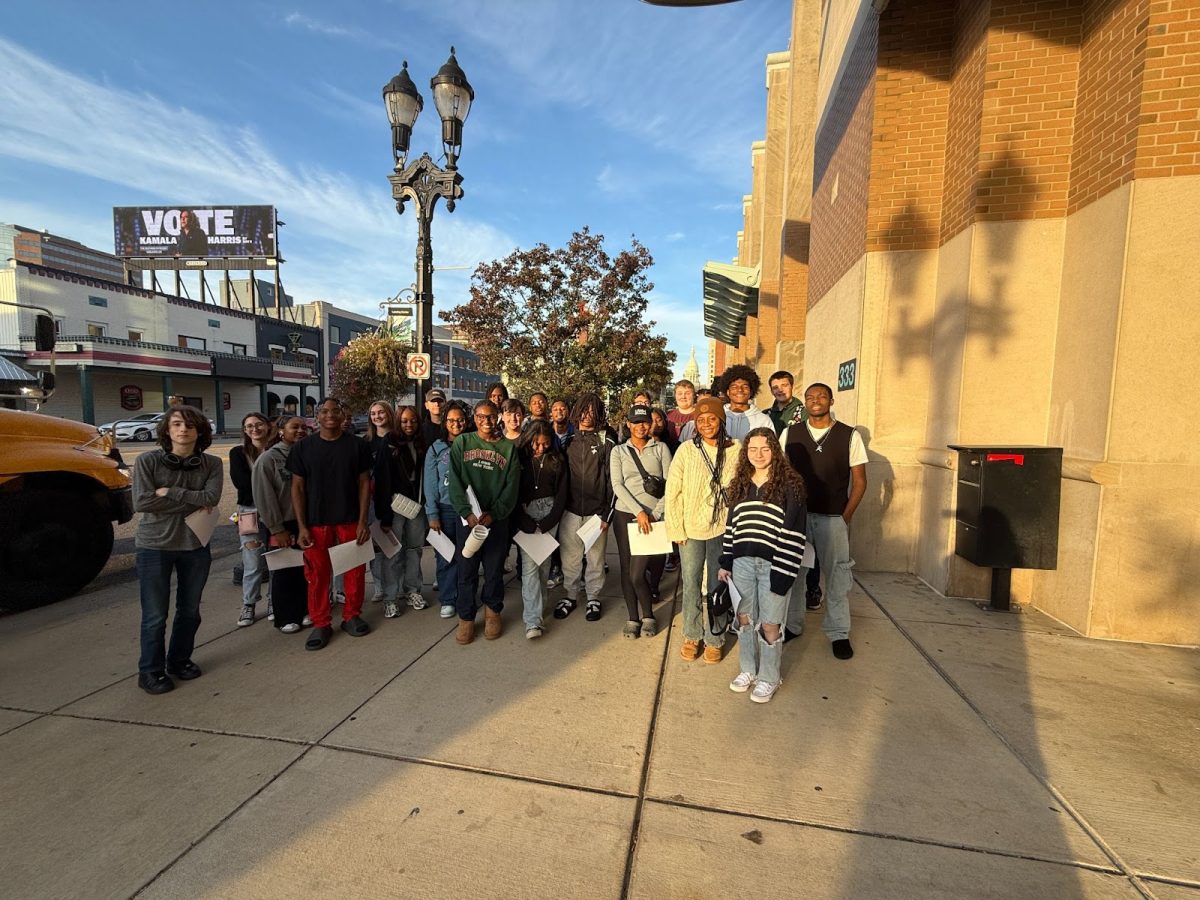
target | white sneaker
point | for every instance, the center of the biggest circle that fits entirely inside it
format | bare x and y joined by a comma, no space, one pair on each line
290,628
391,609
339,597
742,683
247,617
416,601
764,691
447,612
307,623
534,632
270,610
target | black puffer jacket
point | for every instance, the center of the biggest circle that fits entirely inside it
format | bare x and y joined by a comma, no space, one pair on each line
590,492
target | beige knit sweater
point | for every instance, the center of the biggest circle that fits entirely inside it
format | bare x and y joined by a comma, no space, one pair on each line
689,497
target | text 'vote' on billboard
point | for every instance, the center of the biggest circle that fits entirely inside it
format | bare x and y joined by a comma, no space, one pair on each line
194,232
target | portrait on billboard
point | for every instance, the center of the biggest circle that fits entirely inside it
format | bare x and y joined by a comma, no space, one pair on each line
194,232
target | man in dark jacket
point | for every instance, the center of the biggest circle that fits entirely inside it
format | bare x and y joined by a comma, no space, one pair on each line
590,494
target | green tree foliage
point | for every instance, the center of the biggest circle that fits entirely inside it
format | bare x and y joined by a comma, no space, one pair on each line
566,321
370,368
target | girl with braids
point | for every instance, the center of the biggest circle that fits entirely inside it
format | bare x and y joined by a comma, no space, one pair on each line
762,551
696,509
256,435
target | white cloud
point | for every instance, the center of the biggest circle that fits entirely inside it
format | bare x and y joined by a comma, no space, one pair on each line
327,29
343,241
675,236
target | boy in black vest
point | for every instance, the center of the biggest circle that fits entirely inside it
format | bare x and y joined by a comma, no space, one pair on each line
832,459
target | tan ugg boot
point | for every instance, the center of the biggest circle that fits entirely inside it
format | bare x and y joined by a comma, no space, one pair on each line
466,631
491,624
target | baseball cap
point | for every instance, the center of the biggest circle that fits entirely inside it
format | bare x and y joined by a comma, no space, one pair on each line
638,413
435,394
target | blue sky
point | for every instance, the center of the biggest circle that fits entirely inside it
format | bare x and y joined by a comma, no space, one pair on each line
629,118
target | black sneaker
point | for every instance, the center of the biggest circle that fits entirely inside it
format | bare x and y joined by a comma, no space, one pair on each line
842,649
812,599
184,671
155,682
565,608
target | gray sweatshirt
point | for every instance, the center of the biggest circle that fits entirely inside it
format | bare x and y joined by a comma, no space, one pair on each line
162,526
627,480
272,484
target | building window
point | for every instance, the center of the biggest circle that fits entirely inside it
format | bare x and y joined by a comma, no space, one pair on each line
237,349
277,354
135,336
95,329
59,324
214,323
335,334
97,301
192,343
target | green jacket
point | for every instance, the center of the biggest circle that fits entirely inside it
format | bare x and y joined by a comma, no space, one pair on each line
491,468
789,415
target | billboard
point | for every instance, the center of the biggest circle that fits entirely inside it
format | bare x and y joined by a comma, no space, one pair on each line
194,232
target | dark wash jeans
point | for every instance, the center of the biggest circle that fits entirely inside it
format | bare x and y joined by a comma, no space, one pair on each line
491,555
154,568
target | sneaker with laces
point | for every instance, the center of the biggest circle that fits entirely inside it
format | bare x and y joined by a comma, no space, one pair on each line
446,612
812,599
416,601
290,628
338,597
270,611
712,655
307,621
554,580
533,632
247,617
391,609
742,683
690,650
764,691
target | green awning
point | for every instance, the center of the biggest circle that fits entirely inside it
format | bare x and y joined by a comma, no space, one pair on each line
730,295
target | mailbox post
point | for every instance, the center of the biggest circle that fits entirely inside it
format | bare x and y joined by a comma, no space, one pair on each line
1006,514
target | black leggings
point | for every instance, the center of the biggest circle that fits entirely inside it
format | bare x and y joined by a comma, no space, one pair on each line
289,590
638,602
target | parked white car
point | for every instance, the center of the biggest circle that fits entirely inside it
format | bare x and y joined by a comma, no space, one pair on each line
141,427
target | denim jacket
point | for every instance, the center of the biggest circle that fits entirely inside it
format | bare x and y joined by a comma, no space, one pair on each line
437,479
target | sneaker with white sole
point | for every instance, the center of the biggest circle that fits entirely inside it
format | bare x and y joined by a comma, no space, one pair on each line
447,612
742,683
391,609
247,617
416,601
764,691
338,597
533,632
307,623
290,628
270,611
554,580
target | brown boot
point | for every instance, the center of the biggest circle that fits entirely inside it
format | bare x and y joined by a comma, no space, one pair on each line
491,624
466,631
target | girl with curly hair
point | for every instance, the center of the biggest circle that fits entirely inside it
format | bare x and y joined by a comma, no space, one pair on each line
762,552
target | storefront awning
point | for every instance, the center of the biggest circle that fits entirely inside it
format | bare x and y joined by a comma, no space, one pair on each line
730,295
10,372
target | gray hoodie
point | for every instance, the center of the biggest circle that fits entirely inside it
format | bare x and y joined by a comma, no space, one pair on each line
162,526
272,485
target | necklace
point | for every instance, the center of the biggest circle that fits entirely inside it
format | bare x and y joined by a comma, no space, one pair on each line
824,437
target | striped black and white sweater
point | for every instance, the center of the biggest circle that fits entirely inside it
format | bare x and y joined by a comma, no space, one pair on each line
767,531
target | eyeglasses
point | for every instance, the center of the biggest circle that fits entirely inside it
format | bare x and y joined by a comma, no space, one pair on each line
460,423
483,417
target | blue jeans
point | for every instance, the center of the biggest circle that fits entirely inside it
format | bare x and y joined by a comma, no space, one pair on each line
154,568
447,572
254,570
752,577
830,536
696,558
491,555
402,573
533,577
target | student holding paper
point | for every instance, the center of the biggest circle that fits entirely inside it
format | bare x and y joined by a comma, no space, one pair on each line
639,469
330,496
486,463
590,494
272,487
256,435
438,508
169,483
400,469
762,550
541,500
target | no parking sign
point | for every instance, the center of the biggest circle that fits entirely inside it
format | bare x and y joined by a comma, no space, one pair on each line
417,365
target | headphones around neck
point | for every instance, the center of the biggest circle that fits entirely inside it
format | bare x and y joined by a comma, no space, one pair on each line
175,461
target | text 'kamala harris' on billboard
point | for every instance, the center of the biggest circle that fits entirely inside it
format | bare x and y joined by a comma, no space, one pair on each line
194,231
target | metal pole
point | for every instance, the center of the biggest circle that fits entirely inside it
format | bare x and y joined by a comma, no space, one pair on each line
424,294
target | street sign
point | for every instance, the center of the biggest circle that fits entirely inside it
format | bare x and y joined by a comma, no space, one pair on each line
418,365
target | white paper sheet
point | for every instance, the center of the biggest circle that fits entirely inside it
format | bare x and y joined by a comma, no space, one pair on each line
734,597
537,544
656,543
589,531
350,555
442,544
386,542
203,523
284,558
474,501
809,559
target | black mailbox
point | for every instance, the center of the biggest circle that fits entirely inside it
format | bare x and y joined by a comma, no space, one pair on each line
1006,515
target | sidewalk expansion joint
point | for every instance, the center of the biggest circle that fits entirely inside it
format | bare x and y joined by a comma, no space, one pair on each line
1078,817
887,836
640,801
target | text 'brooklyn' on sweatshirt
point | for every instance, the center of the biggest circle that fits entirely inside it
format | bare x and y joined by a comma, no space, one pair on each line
491,468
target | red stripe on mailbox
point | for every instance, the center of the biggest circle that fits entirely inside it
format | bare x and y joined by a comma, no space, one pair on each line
1017,458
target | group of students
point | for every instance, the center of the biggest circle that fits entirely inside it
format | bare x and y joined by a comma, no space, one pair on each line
712,472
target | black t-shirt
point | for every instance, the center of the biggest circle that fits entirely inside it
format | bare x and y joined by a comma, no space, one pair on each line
330,470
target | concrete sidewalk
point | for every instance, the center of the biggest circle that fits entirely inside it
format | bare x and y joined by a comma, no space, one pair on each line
959,754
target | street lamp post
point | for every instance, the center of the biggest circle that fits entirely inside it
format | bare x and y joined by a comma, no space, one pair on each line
423,182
